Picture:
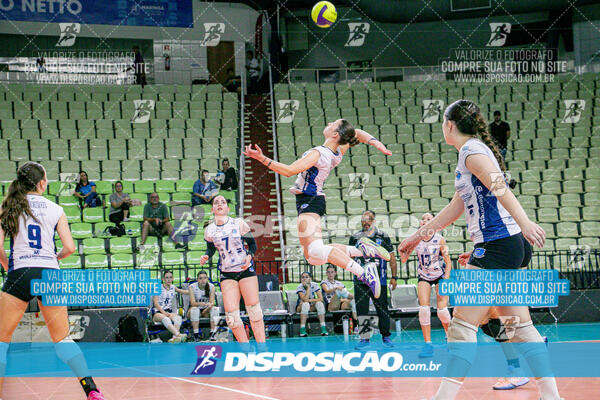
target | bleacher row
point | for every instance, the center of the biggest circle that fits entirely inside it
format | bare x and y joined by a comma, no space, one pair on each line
87,124
554,162
70,128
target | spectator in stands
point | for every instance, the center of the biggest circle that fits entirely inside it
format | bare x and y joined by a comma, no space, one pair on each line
253,70
86,192
232,83
202,304
164,308
310,298
500,131
230,181
156,221
139,67
204,190
362,292
119,205
336,295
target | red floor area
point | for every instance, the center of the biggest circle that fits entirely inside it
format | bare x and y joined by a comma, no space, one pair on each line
283,388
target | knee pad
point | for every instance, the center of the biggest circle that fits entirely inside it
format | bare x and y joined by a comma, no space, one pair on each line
444,315
178,320
462,340
320,308
194,314
67,349
305,308
166,321
318,252
255,312
233,319
530,343
215,316
424,315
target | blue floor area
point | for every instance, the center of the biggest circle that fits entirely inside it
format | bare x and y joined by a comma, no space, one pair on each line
566,332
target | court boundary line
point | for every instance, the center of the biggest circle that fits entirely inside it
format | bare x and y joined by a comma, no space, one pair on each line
195,382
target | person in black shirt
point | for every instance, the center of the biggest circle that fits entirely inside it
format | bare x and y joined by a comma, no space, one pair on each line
362,293
139,68
230,182
500,131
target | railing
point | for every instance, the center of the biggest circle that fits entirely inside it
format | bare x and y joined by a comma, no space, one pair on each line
276,158
242,166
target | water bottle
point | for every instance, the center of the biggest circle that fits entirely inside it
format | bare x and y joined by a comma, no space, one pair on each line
129,232
283,331
346,329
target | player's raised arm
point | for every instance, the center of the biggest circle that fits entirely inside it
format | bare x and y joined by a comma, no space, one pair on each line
295,168
365,137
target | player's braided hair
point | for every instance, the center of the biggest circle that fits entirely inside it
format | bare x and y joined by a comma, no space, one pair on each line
15,204
469,121
347,134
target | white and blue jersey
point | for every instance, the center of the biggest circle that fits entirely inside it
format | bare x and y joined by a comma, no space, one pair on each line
34,246
310,182
228,241
200,294
166,298
429,254
487,219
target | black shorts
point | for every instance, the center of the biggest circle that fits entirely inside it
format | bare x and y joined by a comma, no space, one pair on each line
433,282
18,282
238,276
511,252
310,204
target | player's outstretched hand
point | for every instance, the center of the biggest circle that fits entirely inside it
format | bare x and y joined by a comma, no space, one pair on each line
381,147
407,246
255,153
203,259
463,259
534,234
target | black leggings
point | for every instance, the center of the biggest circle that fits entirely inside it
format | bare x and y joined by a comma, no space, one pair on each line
117,217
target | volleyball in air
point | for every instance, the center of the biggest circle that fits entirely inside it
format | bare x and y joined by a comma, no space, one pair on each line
324,14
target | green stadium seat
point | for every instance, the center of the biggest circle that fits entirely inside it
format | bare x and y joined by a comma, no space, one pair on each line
193,257
68,201
81,230
133,228
92,215
547,215
567,229
71,262
165,186
73,214
123,260
172,258
93,246
591,213
144,187
548,200
103,187
96,261
120,245
197,243
136,213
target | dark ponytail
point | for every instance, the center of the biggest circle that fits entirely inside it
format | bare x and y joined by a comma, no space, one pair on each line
469,121
206,286
16,204
347,134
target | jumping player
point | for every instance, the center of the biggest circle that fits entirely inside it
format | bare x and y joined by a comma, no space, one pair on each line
29,221
202,301
313,169
164,310
502,234
434,265
238,278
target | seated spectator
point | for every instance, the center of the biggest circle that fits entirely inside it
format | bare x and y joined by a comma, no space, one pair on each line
164,308
86,191
232,83
119,205
230,181
156,221
336,295
204,190
310,298
202,304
